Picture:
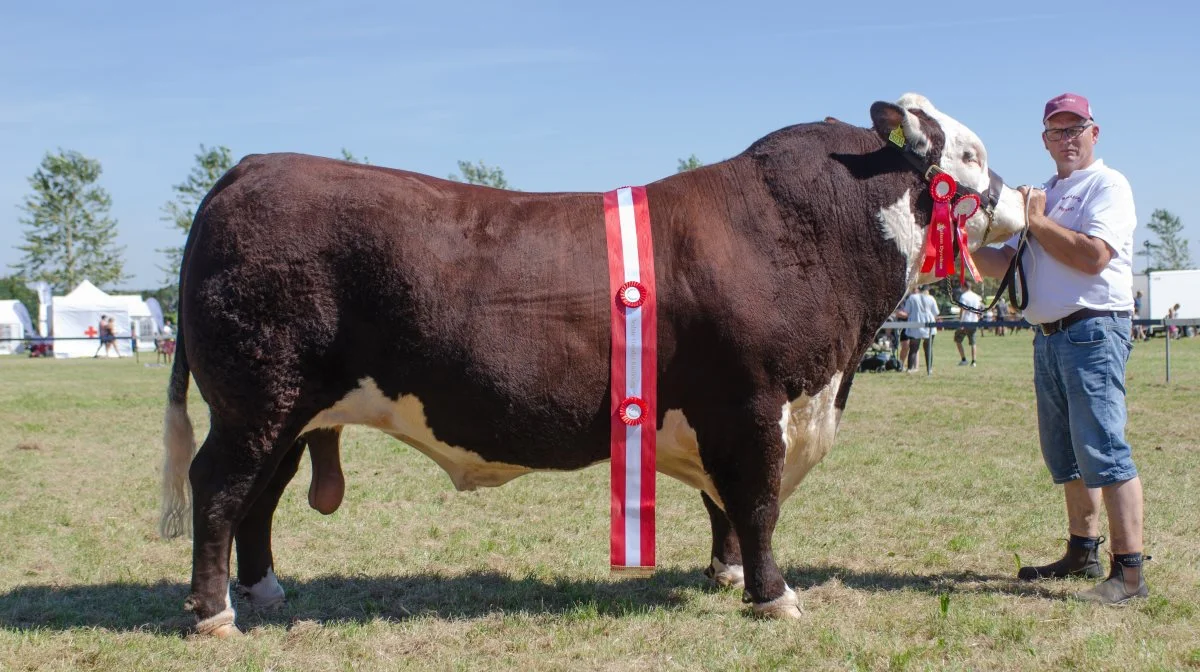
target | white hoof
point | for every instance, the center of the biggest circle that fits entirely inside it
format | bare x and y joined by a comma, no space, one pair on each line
784,607
220,626
727,576
265,594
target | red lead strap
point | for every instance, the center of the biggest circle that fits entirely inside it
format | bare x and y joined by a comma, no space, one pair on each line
634,416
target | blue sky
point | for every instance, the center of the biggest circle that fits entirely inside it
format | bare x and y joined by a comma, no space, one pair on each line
569,96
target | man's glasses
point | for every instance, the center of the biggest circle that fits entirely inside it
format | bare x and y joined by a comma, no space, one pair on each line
1070,132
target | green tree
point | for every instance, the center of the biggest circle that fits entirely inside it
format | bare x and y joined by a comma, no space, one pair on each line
69,236
347,155
690,163
481,173
1170,253
13,287
211,164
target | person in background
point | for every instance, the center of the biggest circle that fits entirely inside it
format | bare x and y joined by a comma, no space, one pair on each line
1080,285
1139,331
920,307
970,324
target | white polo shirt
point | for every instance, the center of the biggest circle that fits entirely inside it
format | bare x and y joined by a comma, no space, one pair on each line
1096,201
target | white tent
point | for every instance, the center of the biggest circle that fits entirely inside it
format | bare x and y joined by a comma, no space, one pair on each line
14,323
77,316
141,320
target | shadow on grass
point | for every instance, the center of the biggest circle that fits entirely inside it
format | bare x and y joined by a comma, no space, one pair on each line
157,607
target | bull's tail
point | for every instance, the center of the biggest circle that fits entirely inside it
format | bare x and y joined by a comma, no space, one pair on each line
179,445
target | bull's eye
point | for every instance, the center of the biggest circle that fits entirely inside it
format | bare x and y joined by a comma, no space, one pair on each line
969,157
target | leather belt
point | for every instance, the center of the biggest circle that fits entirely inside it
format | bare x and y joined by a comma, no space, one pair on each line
1051,328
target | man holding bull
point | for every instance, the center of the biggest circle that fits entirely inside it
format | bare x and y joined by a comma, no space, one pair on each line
1079,271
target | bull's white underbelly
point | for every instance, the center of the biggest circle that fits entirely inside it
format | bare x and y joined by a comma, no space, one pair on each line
808,425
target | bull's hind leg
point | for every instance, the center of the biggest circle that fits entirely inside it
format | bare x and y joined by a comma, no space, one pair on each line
745,454
229,472
726,565
256,564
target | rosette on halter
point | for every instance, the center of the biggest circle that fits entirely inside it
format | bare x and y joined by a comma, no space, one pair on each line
939,245
964,209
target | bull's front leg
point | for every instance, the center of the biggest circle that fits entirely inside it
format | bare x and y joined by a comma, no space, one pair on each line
725,566
744,454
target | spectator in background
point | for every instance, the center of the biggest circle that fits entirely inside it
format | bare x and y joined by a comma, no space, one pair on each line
1139,331
100,328
970,323
920,306
1172,313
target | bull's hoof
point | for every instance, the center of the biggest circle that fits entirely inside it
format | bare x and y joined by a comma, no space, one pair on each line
726,576
226,631
784,607
220,626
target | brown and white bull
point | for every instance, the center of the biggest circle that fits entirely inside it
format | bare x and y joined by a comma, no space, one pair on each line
473,324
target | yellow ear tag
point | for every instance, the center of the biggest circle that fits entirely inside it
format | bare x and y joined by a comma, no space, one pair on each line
897,136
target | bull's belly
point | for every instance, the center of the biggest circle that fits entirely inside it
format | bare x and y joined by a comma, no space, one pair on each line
807,425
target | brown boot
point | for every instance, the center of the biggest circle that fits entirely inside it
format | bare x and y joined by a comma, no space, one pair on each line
1125,582
1081,559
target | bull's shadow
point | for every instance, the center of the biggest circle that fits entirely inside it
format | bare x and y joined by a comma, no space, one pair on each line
156,607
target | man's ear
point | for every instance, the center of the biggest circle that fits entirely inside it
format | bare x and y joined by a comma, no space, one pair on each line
896,125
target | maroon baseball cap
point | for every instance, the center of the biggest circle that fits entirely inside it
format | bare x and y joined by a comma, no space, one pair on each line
1067,102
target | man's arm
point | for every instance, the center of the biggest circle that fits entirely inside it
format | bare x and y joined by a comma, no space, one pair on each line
1084,253
993,261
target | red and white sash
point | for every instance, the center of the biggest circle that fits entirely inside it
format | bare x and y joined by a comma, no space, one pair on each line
634,377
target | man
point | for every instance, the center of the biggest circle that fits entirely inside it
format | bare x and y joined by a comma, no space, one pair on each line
970,320
919,307
1079,272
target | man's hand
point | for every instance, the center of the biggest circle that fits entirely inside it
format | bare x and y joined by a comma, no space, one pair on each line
1035,205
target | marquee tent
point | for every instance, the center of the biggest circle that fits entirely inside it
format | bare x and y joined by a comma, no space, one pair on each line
14,323
77,316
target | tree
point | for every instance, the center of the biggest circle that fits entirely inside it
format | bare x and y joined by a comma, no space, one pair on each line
1170,253
690,163
347,155
211,164
13,287
481,173
69,236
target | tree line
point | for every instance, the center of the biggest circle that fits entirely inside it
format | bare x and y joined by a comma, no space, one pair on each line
69,234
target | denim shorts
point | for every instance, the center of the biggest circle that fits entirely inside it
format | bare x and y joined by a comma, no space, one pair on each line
1079,376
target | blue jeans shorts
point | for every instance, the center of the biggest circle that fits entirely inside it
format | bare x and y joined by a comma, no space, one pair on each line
1079,377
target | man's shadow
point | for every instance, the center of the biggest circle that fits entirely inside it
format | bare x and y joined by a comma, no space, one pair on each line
157,607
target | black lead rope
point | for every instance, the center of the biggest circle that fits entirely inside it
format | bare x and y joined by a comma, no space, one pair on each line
1014,276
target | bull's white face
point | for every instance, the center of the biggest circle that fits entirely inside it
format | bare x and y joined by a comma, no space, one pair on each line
965,159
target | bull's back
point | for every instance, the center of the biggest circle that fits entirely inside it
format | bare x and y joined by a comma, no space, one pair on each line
309,276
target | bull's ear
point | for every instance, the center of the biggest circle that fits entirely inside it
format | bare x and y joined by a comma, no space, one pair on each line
898,126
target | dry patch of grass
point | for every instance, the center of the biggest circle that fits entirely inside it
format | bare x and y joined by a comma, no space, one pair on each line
903,544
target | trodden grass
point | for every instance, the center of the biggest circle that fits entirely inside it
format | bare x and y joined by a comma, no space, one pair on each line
902,544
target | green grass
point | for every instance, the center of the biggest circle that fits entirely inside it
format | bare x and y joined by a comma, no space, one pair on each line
901,544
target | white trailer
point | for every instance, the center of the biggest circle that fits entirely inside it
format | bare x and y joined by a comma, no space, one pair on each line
1167,288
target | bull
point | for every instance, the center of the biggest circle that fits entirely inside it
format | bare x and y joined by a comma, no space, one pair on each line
473,324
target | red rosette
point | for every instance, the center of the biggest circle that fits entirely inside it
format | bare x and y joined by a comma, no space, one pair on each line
966,206
632,294
633,411
942,187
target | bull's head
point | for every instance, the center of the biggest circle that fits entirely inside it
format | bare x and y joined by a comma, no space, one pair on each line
932,138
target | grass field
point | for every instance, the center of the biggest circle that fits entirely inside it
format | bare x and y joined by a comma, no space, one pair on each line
902,544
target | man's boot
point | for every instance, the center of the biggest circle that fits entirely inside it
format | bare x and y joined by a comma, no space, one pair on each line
1081,559
1125,582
